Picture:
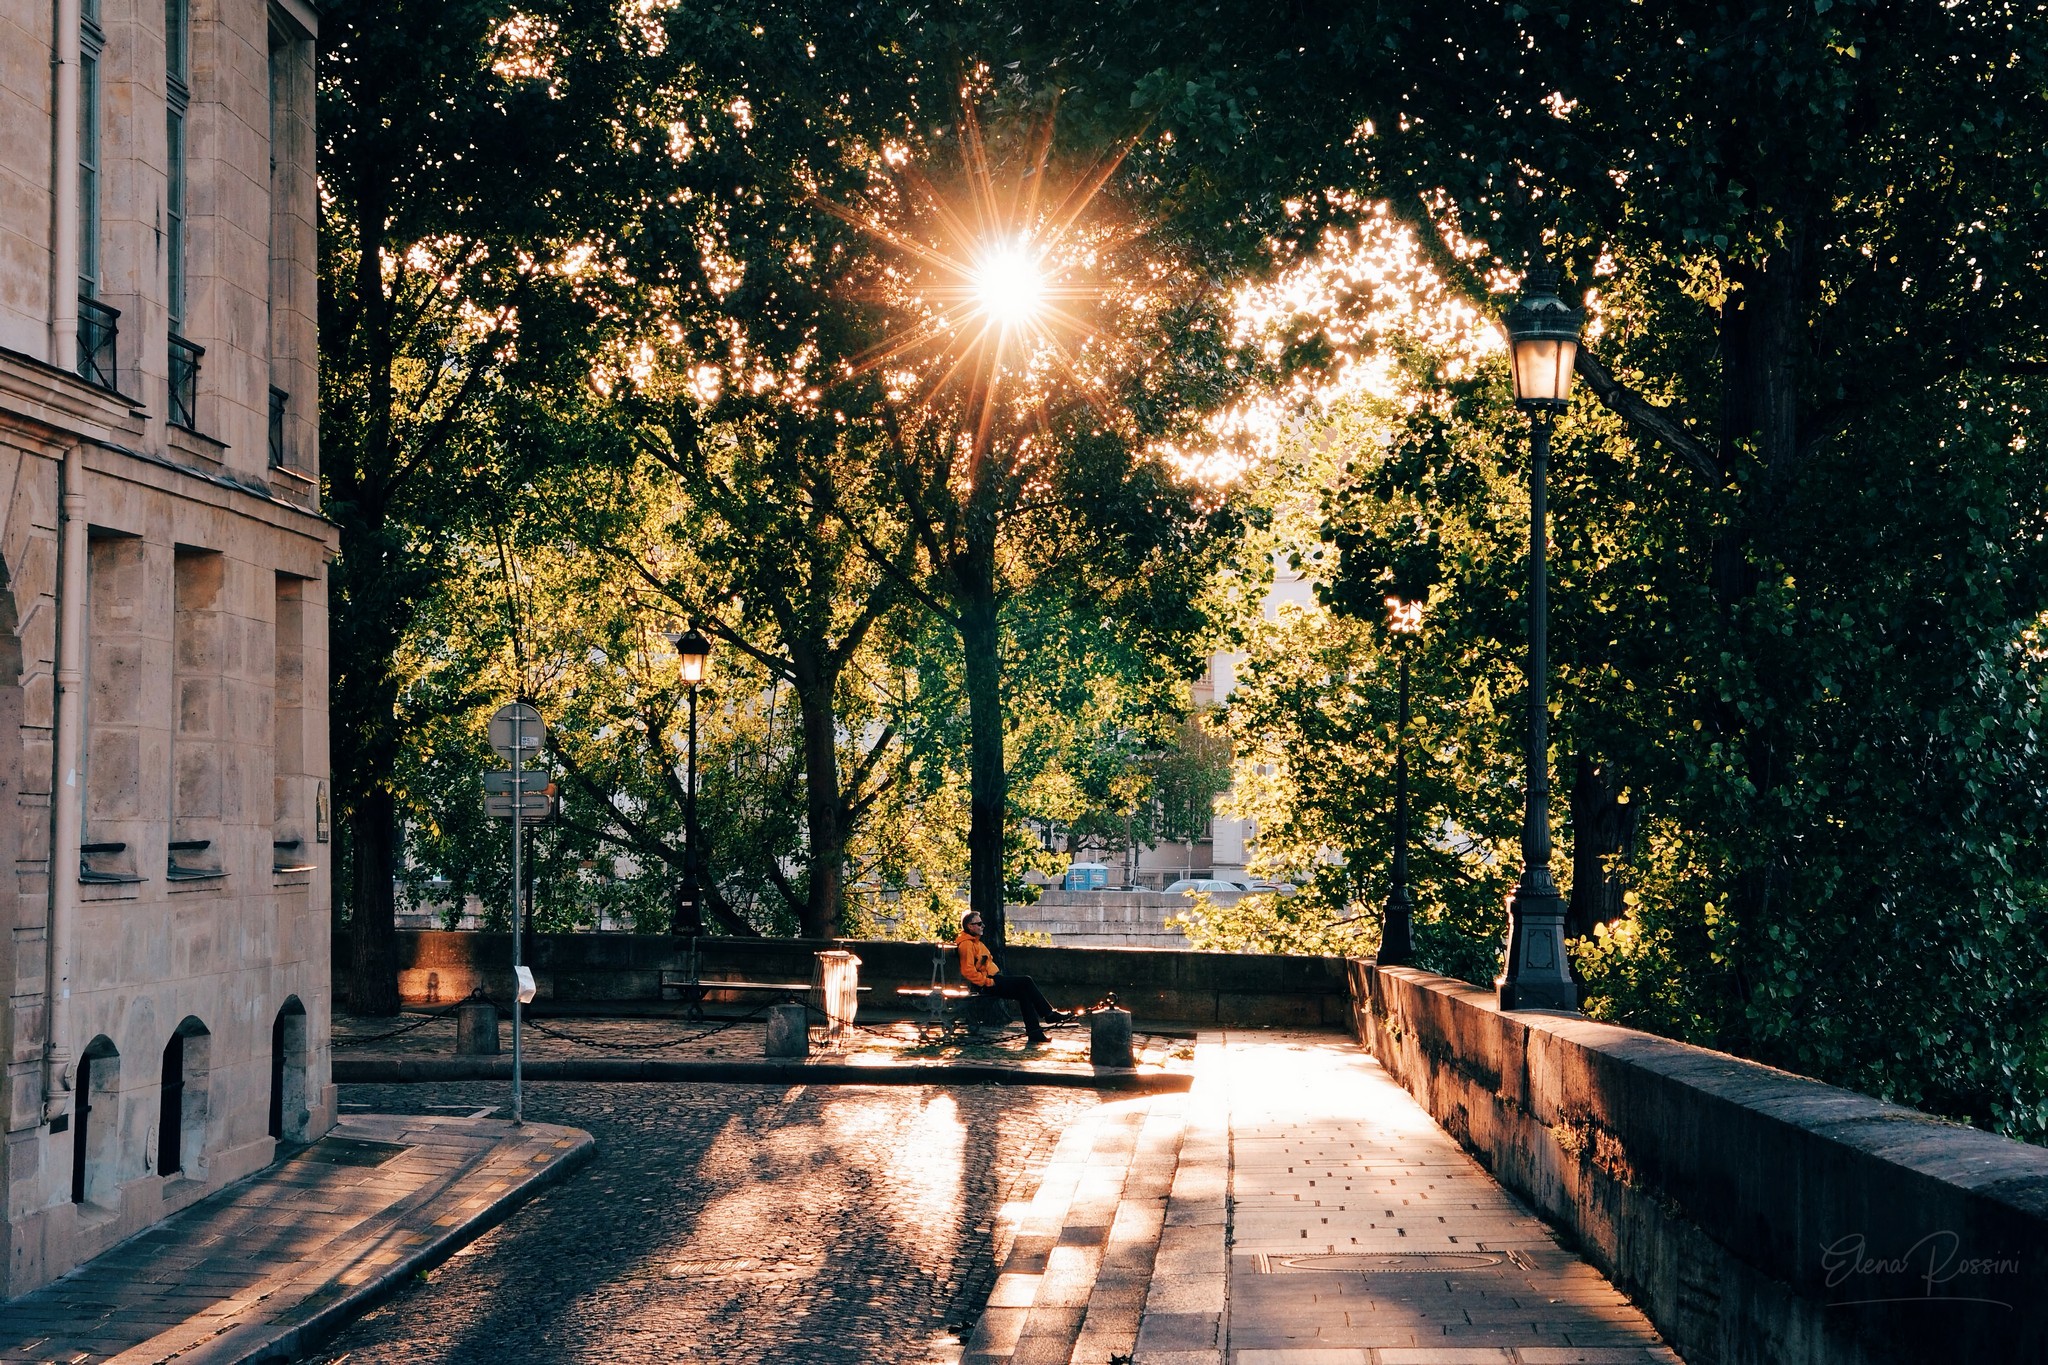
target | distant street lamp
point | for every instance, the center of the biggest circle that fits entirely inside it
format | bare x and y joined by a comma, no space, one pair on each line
1543,337
693,652
1397,928
1397,936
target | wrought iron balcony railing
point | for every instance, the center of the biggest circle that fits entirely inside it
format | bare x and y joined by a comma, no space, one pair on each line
185,382
98,326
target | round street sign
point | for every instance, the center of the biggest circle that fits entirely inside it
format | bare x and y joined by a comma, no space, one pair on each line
516,725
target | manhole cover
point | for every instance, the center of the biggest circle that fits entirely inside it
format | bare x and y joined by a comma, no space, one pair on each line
333,1151
1386,1262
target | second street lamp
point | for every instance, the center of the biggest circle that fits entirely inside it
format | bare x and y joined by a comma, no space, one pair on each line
1397,932
1543,339
693,652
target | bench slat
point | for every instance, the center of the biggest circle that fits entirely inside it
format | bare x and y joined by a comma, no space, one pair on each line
676,982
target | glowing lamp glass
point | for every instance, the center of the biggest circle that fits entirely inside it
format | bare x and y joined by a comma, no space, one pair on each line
1404,617
693,652
1543,338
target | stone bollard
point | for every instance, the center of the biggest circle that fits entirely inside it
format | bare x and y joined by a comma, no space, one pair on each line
1109,1038
788,1034
476,1029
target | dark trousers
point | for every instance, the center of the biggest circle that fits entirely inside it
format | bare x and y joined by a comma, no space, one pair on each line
1025,992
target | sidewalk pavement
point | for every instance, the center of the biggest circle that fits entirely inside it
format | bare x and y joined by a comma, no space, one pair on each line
1316,1216
295,1250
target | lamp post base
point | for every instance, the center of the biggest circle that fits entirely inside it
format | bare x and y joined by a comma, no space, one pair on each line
1397,936
1537,976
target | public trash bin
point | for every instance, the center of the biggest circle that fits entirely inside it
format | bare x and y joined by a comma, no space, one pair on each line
835,987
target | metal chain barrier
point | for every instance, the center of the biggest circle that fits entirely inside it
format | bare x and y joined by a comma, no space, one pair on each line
857,1028
609,1046
339,1043
602,1044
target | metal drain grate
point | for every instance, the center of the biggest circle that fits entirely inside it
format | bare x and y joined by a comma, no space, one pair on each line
1383,1262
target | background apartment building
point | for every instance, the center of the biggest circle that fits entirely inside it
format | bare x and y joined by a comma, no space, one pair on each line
163,622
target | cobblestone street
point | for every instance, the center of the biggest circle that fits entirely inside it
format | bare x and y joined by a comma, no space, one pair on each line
732,1223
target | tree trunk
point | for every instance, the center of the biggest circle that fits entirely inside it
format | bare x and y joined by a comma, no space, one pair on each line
373,915
981,642
1603,827
1763,331
825,811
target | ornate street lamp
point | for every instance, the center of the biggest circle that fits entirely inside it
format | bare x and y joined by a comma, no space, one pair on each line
1397,937
693,652
1543,337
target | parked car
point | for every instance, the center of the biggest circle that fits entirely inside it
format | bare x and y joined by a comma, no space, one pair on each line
1188,884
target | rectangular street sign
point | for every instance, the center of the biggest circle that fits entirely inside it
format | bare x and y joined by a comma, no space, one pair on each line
533,806
499,783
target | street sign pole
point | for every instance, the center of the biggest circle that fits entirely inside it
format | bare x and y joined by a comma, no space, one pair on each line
518,903
515,729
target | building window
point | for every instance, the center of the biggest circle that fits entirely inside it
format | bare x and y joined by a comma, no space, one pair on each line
96,1125
203,774
184,356
290,245
98,326
185,382
91,43
178,100
280,405
182,1100
121,725
288,1108
288,728
97,323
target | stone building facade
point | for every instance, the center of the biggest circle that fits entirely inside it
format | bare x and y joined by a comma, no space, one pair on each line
163,622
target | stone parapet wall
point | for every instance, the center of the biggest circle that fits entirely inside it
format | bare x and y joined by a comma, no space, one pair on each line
1755,1215
1108,919
442,966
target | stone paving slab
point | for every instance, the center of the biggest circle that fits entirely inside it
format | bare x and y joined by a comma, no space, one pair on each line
1073,1286
271,1263
1361,1234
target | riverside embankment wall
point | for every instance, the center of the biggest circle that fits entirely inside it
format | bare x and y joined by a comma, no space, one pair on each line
1756,1216
442,966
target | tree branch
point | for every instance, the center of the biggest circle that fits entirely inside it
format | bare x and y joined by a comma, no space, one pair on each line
1645,418
1642,417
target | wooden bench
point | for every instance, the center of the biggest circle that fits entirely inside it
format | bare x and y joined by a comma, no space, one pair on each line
943,1007
693,991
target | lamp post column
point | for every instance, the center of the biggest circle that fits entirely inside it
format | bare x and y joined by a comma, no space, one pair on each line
693,652
1536,974
695,924
1397,939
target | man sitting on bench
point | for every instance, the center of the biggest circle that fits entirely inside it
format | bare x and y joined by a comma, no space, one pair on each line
978,968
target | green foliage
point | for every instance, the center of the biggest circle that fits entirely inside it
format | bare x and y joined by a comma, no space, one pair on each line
1797,531
1313,715
1799,538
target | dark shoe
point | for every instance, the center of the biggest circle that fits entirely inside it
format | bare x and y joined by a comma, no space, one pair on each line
1037,1039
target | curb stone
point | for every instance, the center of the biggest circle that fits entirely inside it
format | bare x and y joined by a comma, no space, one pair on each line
297,1331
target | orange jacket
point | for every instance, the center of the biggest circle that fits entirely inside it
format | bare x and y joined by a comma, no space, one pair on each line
977,964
